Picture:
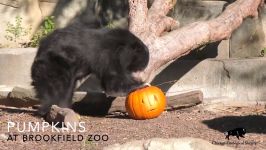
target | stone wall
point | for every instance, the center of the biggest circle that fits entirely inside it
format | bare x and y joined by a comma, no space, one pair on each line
247,41
33,12
189,11
27,9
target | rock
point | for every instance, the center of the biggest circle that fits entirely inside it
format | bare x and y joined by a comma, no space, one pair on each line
25,96
21,97
29,94
62,115
22,93
4,91
168,144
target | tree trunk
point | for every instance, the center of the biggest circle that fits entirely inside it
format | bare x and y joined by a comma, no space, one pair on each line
167,42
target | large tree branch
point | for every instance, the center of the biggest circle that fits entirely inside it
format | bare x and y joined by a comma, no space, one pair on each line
161,7
166,48
138,14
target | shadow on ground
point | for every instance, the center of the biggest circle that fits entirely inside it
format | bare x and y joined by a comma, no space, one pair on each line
252,123
93,104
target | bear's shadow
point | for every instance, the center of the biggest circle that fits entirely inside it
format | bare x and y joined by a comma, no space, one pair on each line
93,104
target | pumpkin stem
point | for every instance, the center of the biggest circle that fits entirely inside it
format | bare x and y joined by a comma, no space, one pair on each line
144,86
147,84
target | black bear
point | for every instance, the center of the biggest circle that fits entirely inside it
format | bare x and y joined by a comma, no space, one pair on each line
82,48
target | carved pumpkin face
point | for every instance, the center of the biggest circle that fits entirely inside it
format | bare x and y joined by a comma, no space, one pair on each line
145,103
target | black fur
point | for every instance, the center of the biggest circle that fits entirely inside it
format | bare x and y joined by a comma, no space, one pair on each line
81,48
238,132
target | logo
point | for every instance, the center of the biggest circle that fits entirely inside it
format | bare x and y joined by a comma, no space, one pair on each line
238,132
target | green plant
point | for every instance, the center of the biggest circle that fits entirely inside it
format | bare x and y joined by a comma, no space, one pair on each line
262,52
110,25
46,28
15,32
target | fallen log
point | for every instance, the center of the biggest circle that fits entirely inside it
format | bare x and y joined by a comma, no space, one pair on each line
182,100
187,99
98,104
92,100
118,106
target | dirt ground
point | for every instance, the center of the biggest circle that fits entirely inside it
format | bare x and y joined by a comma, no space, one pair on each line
189,122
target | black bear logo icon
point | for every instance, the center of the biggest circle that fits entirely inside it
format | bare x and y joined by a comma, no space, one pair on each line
238,132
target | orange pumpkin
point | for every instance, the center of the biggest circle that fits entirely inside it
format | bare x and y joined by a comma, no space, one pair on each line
145,103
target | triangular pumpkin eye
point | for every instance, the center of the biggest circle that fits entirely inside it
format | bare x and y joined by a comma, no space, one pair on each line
142,101
155,98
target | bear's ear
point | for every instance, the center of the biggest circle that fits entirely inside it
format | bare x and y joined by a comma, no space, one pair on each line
134,57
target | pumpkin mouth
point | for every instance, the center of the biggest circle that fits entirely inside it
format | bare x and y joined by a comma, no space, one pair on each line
152,109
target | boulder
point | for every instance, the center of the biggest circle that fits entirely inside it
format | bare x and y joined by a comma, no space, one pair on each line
167,144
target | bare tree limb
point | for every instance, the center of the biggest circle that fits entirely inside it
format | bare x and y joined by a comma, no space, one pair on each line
153,20
162,7
165,48
138,12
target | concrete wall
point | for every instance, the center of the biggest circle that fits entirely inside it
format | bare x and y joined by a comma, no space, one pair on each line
236,78
248,40
15,66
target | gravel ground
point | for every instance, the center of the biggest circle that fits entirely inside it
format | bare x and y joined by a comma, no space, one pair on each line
190,122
